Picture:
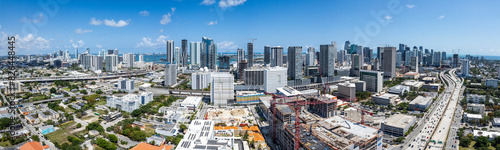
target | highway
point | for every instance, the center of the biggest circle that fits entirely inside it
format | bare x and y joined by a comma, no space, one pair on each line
91,77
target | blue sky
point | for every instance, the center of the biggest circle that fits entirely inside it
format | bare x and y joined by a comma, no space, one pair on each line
472,26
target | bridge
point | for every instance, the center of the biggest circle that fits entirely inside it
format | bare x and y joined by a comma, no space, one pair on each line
81,78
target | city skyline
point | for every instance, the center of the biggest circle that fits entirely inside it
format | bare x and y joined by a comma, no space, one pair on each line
134,27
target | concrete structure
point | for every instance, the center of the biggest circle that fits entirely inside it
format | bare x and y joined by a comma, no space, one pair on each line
277,56
129,102
201,136
267,55
157,140
389,62
177,55
420,103
191,102
240,55
470,117
491,135
250,54
385,98
195,54
474,98
128,59
327,56
398,124
183,53
326,108
465,68
170,75
476,108
360,85
222,88
373,79
274,77
170,51
208,53
126,85
399,89
200,80
414,85
432,87
295,62
111,63
496,122
46,129
414,64
347,90
411,75
455,61
311,52
248,97
491,83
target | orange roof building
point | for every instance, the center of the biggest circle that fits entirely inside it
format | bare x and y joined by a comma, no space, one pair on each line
146,146
34,146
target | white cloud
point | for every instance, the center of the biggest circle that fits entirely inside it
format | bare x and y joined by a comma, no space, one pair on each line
111,23
78,44
212,22
441,17
161,30
225,45
98,46
0,26
28,42
166,19
39,18
410,6
207,2
148,42
36,18
80,31
230,3
71,40
388,17
93,21
144,13
173,9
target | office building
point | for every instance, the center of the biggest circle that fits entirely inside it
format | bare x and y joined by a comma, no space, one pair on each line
128,59
208,53
250,54
465,68
277,56
224,62
126,85
141,58
254,76
267,54
443,55
436,59
414,64
398,59
356,64
111,51
274,77
97,63
240,55
295,62
115,51
373,79
241,69
183,53
492,83
420,103
368,55
170,51
389,62
398,124
476,108
195,53
57,63
111,62
327,59
347,90
341,57
222,88
385,99
129,102
455,60
177,55
310,56
200,80
170,75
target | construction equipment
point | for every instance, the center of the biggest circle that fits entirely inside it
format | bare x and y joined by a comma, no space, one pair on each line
363,112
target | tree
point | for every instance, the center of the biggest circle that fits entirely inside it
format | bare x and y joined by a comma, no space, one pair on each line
183,127
136,113
79,125
482,141
53,90
99,91
496,141
465,142
35,137
113,138
92,83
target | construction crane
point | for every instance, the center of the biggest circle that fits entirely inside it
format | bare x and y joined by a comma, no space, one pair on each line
363,112
296,104
253,39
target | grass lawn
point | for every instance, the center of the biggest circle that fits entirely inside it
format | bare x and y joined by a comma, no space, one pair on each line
67,89
101,102
69,110
100,111
471,146
60,136
5,144
149,131
87,117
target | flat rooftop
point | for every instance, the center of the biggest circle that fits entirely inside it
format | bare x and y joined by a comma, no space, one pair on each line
387,96
400,120
421,100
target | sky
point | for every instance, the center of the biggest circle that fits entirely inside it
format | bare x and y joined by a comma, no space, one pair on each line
46,26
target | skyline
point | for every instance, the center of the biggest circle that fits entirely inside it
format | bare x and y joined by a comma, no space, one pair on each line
134,27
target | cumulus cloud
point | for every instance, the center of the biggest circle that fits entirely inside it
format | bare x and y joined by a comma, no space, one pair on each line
144,13
36,18
98,46
161,30
26,43
78,44
207,2
388,17
212,22
148,42
441,17
410,6
230,3
166,19
111,23
225,45
80,31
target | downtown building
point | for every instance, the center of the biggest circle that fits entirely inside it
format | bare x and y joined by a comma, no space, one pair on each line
221,89
129,102
310,56
276,56
295,62
170,51
389,62
373,79
250,54
170,75
126,85
208,53
111,63
267,55
195,53
128,60
327,59
184,55
270,78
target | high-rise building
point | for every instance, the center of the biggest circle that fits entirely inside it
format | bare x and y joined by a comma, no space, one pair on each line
295,62
267,54
389,62
274,77
97,63
455,60
241,69
184,55
111,51
414,64
200,80
170,75
356,64
126,85
76,53
465,67
129,102
209,53
327,59
373,79
436,59
177,56
224,62
250,54
241,55
195,53
221,88
340,56
398,59
170,51
111,62
367,55
379,52
141,58
347,47
115,51
310,56
60,54
443,55
128,59
277,56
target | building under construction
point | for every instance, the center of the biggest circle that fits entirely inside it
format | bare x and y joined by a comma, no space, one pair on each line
326,108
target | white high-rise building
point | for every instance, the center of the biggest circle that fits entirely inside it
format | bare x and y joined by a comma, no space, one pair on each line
141,58
240,55
373,79
274,77
129,102
222,88
177,56
170,51
126,85
111,63
200,80
195,53
398,59
170,74
97,63
310,56
465,67
128,59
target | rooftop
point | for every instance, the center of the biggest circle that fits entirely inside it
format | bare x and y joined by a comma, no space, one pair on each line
146,146
400,120
421,100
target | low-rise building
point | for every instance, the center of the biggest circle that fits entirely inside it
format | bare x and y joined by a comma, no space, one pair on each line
412,75
490,135
201,136
34,146
191,102
399,89
46,129
474,98
420,103
248,97
398,124
492,83
129,102
156,139
414,85
496,122
48,115
168,129
476,108
146,146
472,117
347,90
433,87
385,98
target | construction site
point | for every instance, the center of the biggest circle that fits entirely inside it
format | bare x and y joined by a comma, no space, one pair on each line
318,125
231,116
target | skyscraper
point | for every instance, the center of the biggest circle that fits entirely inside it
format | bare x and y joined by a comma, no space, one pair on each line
250,54
277,56
128,59
455,60
221,88
379,52
295,62
141,58
356,64
170,75
436,59
465,67
367,55
224,62
76,53
398,59
414,64
341,57
267,54
97,63
310,56
177,56
443,55
241,55
347,46
327,59
170,51
195,53
111,51
209,53
389,62
184,55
